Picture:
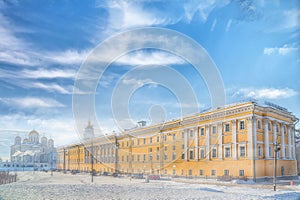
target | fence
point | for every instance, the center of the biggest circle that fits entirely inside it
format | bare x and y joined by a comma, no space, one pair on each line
5,178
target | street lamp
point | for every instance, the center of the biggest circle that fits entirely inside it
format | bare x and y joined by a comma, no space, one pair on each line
276,150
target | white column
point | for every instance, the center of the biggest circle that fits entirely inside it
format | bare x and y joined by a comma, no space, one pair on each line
267,153
250,138
282,142
254,137
274,132
220,141
186,144
207,150
293,143
233,123
196,151
289,129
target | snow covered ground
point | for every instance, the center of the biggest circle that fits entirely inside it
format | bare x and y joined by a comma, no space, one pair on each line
42,185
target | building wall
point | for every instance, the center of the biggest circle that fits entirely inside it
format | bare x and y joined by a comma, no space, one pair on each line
236,140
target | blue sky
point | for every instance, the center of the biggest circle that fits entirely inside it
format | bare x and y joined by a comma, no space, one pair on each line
254,44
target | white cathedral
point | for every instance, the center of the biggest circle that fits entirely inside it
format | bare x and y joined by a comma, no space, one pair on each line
33,152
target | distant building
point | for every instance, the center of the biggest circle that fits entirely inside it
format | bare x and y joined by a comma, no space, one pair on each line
33,152
88,132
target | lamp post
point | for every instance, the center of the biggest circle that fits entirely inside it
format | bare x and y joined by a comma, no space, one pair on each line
276,150
51,161
92,161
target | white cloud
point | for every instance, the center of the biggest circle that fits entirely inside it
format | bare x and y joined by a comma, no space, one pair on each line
154,58
31,102
138,82
52,87
202,7
213,25
266,93
228,25
285,49
70,56
48,73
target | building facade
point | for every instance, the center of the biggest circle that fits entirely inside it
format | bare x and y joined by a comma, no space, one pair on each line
33,152
235,140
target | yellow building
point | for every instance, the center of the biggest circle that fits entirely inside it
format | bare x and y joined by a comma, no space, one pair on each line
236,140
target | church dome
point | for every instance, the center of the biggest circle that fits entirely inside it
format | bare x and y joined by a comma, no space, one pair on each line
25,140
44,141
33,132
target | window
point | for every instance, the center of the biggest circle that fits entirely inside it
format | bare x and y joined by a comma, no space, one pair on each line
226,172
214,129
259,151
166,171
241,173
242,151
174,137
138,157
144,140
214,153
157,139
277,129
227,127
132,157
174,148
213,172
182,134
150,157
190,172
174,172
150,140
138,142
202,131
191,133
227,152
270,151
269,126
166,148
157,157
144,157
157,148
173,156
165,157
191,154
150,149
242,125
202,154
182,156
284,129
165,137
258,124
201,172
182,146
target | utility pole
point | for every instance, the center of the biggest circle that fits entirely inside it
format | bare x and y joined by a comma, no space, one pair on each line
276,150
